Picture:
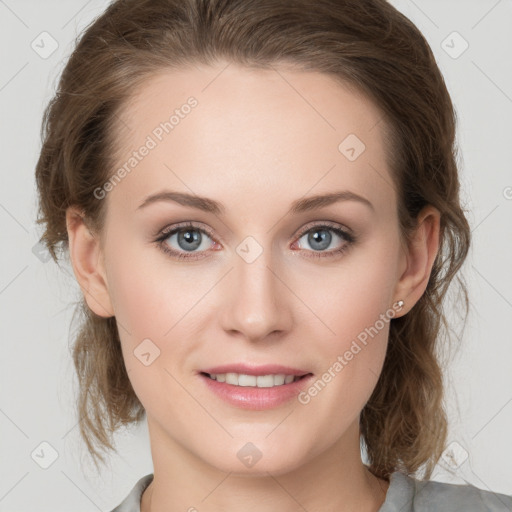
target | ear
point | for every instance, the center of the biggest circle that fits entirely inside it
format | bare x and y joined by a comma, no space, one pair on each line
87,261
418,259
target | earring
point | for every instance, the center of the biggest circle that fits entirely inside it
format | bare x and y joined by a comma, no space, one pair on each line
400,304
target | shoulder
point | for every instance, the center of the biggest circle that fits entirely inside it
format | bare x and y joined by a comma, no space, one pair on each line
132,502
411,495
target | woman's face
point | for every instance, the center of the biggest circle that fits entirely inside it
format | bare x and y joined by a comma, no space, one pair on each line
264,277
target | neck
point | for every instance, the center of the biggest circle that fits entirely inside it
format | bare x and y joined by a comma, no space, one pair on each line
333,480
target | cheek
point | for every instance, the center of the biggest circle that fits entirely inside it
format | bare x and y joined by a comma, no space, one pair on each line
147,296
355,303
354,293
158,300
150,302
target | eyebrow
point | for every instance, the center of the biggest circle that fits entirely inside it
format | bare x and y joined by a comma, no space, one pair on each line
211,206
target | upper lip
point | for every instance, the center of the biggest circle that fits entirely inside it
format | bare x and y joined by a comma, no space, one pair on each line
265,369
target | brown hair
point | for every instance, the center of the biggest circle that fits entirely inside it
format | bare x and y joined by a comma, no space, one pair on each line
366,44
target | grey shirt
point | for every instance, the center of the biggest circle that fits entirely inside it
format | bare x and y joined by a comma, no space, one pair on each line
405,494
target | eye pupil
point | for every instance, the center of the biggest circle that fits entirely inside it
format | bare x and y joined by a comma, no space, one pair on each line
189,237
323,240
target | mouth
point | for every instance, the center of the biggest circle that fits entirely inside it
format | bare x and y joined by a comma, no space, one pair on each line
256,381
257,387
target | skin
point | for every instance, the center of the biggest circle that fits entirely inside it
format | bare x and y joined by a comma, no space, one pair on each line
255,144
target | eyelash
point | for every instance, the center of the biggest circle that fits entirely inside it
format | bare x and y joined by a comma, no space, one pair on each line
167,232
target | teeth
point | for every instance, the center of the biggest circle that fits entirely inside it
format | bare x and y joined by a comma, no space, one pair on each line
260,381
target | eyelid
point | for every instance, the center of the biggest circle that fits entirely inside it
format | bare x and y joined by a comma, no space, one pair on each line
168,230
328,224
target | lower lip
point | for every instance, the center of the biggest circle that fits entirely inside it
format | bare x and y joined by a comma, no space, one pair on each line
251,397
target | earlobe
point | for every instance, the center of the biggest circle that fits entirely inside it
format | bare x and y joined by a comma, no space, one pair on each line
86,259
420,256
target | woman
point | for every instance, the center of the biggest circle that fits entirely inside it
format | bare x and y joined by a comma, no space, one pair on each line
261,206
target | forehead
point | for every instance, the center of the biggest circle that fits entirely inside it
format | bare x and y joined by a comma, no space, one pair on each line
266,130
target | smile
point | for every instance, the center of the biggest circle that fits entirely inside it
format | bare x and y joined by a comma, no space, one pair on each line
260,381
256,392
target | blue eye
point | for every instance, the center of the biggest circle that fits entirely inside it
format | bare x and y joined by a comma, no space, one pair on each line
189,238
320,237
193,241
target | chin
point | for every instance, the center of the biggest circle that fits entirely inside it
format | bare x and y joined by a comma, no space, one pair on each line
257,459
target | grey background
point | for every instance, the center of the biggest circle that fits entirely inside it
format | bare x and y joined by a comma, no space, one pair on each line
36,297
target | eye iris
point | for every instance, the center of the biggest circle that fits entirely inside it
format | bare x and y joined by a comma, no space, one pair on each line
189,237
324,241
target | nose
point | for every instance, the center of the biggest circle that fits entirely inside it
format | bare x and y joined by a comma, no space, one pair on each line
257,302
